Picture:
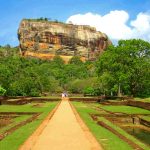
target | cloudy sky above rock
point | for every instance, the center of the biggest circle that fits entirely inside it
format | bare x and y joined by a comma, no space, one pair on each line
119,19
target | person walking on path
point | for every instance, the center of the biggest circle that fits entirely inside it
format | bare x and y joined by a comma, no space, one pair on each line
62,95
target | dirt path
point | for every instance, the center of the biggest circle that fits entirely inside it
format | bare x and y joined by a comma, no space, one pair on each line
64,132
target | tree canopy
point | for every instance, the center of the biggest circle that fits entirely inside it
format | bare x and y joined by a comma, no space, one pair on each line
125,68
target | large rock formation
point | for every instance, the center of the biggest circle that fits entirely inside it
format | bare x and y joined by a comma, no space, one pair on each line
45,39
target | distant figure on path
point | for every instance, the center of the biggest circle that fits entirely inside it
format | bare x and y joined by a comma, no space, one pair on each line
66,95
62,95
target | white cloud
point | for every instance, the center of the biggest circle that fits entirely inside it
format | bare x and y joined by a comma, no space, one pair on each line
142,23
141,26
114,24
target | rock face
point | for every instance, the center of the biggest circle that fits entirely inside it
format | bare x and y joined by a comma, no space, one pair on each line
45,39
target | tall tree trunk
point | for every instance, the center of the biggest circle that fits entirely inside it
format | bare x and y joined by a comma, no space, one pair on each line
119,90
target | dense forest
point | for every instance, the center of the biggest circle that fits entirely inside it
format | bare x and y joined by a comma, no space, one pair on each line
121,70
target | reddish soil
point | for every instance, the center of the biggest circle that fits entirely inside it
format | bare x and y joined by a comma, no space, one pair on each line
85,99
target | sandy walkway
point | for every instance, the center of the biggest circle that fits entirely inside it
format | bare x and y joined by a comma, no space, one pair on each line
64,132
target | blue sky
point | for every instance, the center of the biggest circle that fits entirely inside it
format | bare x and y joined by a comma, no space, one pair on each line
13,11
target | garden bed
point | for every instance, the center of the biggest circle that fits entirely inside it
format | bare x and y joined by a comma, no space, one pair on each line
110,121
6,119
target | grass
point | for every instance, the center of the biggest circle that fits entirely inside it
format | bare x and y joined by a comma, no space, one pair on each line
125,109
121,109
25,108
14,140
142,99
115,100
147,118
107,139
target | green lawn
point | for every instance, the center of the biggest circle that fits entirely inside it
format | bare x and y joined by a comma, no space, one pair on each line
108,140
14,140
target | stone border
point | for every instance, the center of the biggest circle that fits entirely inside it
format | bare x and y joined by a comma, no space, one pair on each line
128,102
140,104
85,99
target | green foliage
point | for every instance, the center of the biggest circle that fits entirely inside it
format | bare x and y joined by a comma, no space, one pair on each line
43,19
75,60
26,77
89,90
122,69
76,86
7,51
2,91
126,109
34,77
82,85
125,68
38,19
58,61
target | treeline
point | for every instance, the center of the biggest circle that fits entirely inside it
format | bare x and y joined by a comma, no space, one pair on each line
121,70
21,76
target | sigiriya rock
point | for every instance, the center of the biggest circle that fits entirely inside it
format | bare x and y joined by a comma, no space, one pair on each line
45,39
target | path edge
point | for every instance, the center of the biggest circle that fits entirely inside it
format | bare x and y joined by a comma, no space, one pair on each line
95,144
31,140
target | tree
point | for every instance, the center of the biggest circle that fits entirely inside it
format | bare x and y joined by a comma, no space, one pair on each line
75,60
128,66
139,65
58,62
82,85
46,19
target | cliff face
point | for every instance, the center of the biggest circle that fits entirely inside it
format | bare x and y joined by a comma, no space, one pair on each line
45,39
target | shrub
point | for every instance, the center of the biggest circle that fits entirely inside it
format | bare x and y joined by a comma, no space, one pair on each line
2,91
